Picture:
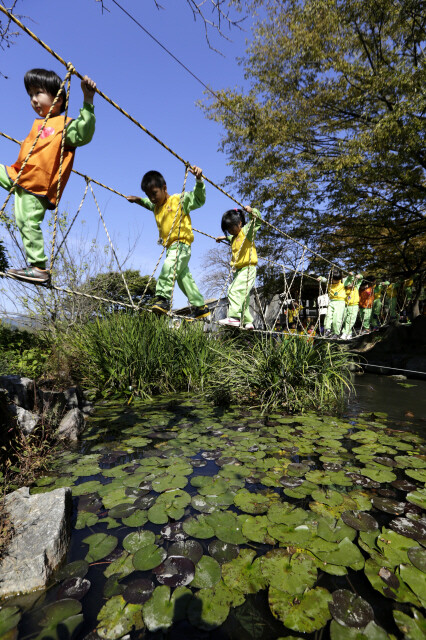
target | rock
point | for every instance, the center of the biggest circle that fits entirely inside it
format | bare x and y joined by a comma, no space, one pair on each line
21,390
71,425
27,421
42,525
73,398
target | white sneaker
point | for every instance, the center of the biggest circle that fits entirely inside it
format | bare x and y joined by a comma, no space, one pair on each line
230,322
344,336
249,325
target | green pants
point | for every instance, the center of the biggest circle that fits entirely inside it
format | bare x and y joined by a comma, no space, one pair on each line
365,316
350,318
375,316
392,308
178,254
239,294
29,214
334,318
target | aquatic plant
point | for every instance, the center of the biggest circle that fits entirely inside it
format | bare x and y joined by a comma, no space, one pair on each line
143,355
291,524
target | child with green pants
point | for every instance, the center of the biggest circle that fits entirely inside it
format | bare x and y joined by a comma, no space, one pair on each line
244,260
174,225
352,305
336,306
37,186
377,304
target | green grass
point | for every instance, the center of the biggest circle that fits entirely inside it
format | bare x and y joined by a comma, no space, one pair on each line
141,355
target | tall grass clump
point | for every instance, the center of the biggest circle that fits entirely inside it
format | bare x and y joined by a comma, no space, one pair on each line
143,355
291,374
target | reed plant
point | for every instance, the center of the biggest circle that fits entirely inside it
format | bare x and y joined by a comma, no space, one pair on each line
143,355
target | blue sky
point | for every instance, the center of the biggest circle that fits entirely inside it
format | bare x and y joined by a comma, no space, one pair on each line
137,74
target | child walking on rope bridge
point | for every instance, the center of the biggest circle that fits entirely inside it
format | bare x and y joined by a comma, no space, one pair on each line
336,307
174,226
37,186
244,261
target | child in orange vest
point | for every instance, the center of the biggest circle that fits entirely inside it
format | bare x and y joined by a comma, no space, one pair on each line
37,186
366,299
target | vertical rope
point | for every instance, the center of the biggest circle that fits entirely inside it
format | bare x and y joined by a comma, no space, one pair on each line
112,248
180,208
61,159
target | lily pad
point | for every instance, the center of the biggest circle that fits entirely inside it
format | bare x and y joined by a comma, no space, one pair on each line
117,617
417,557
100,545
226,526
306,613
161,610
121,566
73,588
207,573
244,572
137,540
415,529
9,618
418,497
388,506
56,612
256,528
148,557
360,520
350,610
209,608
345,553
76,569
138,591
175,571
188,548
223,551
198,527
137,519
413,628
173,532
254,503
289,573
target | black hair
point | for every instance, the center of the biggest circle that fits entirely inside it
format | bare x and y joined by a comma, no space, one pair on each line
336,275
231,218
152,178
49,81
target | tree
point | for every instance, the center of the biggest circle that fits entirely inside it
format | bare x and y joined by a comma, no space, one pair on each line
111,285
329,140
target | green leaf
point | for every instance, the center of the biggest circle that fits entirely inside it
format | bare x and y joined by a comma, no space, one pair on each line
306,613
100,545
207,573
116,618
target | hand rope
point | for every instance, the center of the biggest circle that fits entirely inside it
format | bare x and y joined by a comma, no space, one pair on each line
61,160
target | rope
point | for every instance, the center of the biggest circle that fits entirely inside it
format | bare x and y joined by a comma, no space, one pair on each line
72,221
383,366
61,159
112,248
154,137
179,209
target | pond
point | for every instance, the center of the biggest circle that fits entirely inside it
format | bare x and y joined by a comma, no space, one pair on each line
191,521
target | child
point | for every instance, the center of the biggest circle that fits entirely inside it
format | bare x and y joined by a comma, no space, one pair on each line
352,306
38,183
336,306
176,234
366,299
244,261
377,304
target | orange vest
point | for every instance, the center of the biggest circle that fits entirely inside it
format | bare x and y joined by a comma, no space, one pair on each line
366,298
41,173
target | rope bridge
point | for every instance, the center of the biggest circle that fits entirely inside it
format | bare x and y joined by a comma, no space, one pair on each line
290,275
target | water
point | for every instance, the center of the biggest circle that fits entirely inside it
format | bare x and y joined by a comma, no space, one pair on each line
152,451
